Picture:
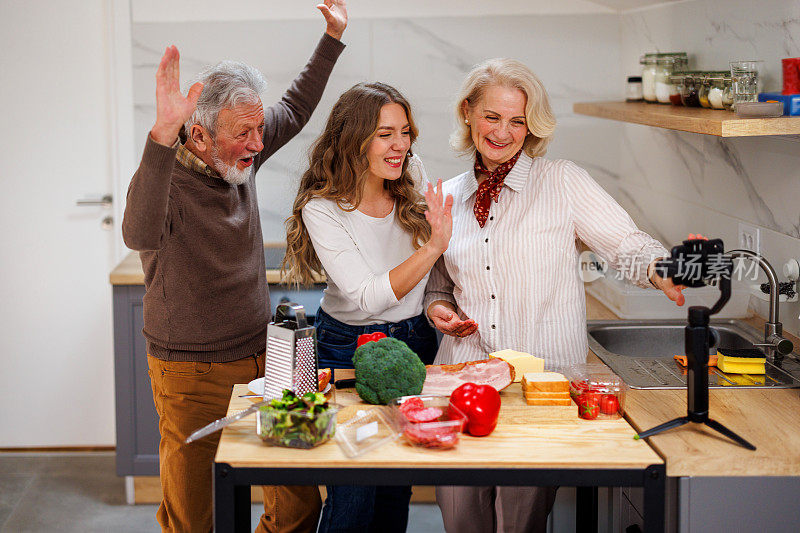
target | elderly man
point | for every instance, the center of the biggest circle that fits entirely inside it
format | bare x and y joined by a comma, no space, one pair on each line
193,214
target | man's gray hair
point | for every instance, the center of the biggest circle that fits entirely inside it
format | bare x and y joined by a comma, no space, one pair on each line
225,86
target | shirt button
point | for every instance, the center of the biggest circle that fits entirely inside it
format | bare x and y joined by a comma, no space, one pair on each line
494,327
487,267
491,218
492,296
486,240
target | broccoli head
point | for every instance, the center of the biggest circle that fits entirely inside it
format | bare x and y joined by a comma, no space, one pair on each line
387,369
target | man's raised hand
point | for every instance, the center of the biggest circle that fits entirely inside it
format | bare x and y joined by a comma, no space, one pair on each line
335,13
172,108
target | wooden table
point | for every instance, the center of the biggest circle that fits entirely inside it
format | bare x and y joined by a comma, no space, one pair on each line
545,446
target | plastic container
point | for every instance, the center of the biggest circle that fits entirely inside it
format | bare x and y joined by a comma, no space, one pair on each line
296,429
631,302
791,102
367,430
598,392
428,421
759,109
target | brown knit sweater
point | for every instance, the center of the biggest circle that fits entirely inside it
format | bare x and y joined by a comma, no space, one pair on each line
200,238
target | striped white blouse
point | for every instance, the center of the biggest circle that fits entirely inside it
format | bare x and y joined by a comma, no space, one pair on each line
518,276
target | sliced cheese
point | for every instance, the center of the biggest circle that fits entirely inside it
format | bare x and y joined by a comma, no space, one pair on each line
544,382
521,361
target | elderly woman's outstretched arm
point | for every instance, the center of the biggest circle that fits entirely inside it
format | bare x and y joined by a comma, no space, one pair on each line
603,225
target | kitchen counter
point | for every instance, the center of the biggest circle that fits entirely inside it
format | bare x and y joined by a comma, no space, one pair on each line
770,419
542,445
129,271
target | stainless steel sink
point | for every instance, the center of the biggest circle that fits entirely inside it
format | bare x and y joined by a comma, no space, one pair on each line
641,353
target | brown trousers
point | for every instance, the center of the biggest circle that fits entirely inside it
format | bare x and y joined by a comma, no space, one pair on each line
188,396
495,509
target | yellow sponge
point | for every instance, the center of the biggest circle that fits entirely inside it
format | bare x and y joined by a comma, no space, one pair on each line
741,362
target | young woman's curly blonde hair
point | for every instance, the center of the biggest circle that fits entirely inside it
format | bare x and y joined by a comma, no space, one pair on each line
338,169
513,74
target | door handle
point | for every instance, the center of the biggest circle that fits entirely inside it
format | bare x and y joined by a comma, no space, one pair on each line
104,201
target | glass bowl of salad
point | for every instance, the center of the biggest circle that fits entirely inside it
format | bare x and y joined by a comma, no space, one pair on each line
297,422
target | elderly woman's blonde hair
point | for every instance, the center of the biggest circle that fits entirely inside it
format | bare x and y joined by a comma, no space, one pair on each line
512,74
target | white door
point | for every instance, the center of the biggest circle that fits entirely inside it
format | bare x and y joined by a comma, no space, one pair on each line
56,378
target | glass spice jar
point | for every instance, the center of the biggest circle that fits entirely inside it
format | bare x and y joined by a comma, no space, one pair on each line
716,82
702,94
633,90
727,93
676,80
666,64
690,88
648,62
664,69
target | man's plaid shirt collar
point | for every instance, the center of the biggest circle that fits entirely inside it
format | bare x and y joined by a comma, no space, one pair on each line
192,162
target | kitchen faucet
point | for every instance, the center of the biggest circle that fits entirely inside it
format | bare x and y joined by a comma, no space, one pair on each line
776,346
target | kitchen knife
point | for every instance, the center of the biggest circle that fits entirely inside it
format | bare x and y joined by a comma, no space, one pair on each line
222,422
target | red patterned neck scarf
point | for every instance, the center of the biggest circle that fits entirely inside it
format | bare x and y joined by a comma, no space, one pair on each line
489,189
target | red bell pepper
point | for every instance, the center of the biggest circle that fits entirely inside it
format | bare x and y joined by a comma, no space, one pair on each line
480,404
369,337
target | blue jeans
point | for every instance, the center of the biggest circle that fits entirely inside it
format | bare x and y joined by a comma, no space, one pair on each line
336,341
357,508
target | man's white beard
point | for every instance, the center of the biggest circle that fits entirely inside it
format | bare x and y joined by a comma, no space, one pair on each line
231,174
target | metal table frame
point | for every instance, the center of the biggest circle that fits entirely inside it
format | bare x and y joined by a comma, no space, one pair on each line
232,486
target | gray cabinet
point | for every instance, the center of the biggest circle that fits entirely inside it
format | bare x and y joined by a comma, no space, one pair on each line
712,504
136,417
137,420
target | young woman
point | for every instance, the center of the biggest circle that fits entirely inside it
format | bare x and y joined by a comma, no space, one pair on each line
359,217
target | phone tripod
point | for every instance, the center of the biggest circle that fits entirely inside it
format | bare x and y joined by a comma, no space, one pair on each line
697,334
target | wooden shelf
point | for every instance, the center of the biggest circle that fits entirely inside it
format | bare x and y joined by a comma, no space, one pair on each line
693,119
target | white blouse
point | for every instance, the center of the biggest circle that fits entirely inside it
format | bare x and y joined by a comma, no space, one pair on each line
357,252
518,276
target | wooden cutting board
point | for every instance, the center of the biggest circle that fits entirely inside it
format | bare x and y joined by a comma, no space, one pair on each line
526,436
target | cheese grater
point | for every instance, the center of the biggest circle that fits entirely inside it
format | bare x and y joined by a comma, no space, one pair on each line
291,354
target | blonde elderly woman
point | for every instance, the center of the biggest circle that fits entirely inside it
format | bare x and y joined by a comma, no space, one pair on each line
509,278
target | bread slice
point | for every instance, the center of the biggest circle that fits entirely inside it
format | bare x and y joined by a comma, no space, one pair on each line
544,382
545,395
549,401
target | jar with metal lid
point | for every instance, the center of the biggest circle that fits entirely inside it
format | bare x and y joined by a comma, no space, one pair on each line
666,64
677,81
664,69
648,62
720,89
702,93
690,88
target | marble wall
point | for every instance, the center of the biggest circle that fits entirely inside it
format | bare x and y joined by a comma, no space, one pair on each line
675,182
671,182
576,56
